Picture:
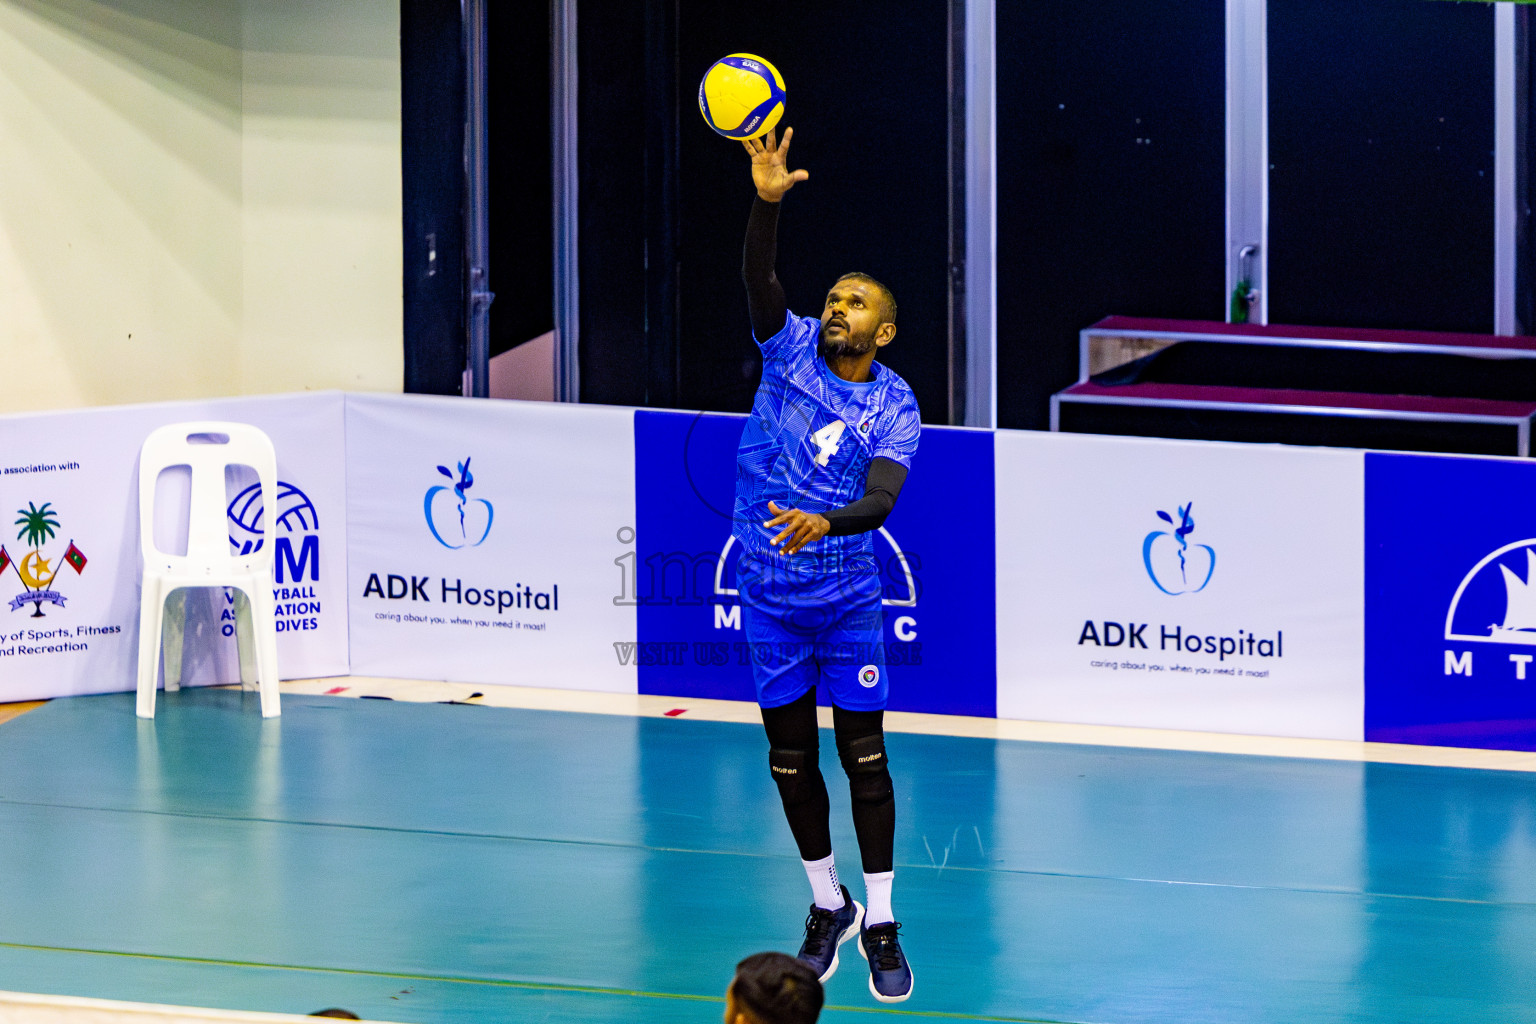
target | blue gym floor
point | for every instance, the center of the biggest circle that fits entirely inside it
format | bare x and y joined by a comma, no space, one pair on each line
424,862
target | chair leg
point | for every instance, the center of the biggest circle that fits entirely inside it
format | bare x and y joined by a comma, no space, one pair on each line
173,635
245,646
264,626
151,612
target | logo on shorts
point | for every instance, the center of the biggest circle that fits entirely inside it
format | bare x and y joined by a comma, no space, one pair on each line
869,675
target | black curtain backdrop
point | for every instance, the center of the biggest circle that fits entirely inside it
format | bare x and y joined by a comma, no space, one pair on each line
613,150
518,153
1111,165
868,99
1110,180
664,200
1381,147
432,194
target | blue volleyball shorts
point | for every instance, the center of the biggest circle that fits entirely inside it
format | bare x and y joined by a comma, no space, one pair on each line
806,630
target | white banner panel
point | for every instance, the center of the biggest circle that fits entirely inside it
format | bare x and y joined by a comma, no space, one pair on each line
1180,585
70,482
482,540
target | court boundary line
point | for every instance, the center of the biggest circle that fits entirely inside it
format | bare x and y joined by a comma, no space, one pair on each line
1066,733
635,705
531,986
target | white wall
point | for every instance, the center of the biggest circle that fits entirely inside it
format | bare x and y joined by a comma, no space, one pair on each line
322,213
197,198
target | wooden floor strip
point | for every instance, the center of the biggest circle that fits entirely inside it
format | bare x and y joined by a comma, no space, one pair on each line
10,711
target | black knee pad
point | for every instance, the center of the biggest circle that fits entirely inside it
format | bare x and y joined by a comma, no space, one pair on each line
796,774
869,777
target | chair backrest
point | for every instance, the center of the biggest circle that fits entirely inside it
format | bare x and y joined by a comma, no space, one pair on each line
207,448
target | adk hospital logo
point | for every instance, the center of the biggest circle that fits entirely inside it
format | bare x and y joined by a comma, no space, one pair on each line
1174,565
37,572
295,555
455,519
458,521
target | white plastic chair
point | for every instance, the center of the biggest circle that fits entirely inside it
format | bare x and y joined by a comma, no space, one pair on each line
208,561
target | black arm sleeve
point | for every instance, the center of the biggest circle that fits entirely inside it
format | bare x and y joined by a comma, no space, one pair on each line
868,513
765,296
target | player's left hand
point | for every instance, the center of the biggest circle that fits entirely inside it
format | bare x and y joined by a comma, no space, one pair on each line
800,528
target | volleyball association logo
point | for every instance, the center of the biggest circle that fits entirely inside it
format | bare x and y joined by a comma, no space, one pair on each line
296,554
455,519
869,676
37,572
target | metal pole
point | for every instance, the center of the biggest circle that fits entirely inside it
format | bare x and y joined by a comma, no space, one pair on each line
958,364
1247,253
563,126
476,227
1506,154
980,215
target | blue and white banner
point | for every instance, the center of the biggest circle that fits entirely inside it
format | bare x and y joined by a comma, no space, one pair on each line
484,541
1450,601
1179,585
1056,577
934,551
70,565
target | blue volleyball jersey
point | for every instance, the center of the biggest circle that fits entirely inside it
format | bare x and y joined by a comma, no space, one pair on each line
808,443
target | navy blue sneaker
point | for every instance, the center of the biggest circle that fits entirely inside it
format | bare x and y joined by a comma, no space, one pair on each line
890,976
825,930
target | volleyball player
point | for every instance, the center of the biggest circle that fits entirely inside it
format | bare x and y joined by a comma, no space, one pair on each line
822,458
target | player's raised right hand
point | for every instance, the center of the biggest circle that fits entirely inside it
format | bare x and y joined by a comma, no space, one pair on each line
769,172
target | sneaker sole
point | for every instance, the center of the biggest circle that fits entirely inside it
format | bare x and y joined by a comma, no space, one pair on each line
848,933
876,992
889,999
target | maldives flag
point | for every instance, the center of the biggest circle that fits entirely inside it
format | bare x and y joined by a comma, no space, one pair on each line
5,559
74,556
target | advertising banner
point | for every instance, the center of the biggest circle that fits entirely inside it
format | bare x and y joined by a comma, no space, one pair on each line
1179,585
70,565
1450,623
934,551
484,540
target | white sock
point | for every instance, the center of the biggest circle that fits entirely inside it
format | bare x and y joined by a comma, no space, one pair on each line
826,890
877,898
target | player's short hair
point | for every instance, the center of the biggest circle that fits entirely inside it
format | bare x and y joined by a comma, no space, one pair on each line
885,293
776,988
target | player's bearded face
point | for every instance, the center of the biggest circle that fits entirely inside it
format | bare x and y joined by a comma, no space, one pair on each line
851,319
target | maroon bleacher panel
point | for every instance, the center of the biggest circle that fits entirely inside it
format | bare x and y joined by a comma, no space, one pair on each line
1133,325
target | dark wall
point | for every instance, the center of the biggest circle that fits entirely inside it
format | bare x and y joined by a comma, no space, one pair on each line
1111,180
611,157
521,201
1110,171
432,194
867,97
1381,144
664,200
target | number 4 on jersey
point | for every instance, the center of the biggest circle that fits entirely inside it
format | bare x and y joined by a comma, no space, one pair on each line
826,439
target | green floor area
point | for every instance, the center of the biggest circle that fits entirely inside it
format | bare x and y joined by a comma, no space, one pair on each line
424,862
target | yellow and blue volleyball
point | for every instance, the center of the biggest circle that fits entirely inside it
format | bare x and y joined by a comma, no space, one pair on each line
741,96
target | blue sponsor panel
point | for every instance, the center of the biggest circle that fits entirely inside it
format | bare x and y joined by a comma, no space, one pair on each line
936,553
1450,609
